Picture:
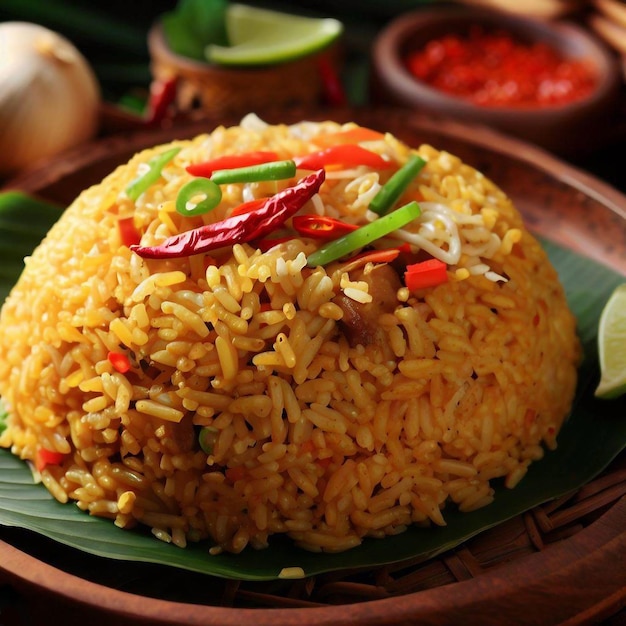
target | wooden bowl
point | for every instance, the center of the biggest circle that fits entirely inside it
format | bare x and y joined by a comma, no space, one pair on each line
569,129
217,91
562,562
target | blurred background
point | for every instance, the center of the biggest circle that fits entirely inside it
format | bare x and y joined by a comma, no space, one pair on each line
113,35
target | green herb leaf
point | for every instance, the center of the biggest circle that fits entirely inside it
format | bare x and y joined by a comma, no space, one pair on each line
592,437
193,25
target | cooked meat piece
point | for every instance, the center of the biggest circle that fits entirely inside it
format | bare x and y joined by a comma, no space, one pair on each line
360,321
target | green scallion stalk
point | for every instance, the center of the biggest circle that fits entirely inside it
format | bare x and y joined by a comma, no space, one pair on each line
391,191
276,170
145,181
198,188
362,237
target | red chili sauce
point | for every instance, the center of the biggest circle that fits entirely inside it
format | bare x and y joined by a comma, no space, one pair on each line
494,69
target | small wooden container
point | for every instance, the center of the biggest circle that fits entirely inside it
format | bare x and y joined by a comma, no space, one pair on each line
219,91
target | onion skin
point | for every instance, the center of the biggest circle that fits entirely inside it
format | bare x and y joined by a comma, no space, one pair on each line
49,96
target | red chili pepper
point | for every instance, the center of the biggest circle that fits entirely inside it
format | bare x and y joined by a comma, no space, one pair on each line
162,95
233,474
357,134
239,228
342,154
321,226
119,361
371,256
265,244
332,89
246,207
231,161
45,457
128,232
425,274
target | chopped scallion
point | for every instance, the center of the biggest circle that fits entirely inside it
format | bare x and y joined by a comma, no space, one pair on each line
198,196
276,170
207,438
155,167
391,191
362,237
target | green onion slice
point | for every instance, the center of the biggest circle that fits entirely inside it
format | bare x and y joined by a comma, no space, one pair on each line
207,438
362,237
391,191
276,170
198,196
145,181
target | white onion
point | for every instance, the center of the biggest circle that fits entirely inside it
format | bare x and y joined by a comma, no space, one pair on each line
49,95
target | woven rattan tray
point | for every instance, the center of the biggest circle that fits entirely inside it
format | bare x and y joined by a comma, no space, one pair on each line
560,563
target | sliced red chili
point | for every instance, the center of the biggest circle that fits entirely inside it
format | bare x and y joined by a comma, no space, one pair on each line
321,226
128,233
425,274
231,161
119,361
343,154
238,228
45,457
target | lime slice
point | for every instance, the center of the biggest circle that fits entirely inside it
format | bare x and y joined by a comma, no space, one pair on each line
262,36
612,346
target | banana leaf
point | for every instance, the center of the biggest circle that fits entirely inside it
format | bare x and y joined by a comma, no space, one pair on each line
593,436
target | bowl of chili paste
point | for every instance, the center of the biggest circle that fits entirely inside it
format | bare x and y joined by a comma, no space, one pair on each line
551,83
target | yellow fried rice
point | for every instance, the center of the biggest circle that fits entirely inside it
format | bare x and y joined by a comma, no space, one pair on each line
316,428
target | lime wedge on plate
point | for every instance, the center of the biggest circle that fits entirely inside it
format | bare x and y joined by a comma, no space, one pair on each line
612,346
262,36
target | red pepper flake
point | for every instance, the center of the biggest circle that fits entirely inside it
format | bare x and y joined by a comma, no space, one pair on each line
425,274
45,457
233,474
495,69
128,233
119,361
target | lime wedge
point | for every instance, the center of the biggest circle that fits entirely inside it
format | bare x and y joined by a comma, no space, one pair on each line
262,36
612,346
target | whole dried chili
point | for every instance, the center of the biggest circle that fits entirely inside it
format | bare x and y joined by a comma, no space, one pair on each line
240,228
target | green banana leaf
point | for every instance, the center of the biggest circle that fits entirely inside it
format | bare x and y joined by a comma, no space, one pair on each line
593,436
